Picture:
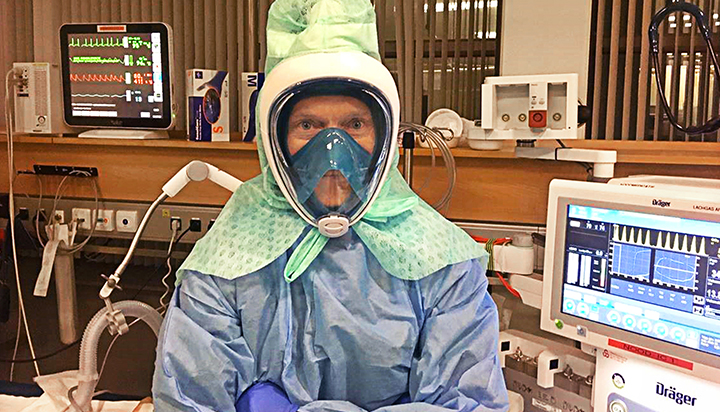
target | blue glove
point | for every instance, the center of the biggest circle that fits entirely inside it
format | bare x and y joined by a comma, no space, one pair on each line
264,397
403,399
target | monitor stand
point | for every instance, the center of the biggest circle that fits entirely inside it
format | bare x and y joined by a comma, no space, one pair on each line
125,134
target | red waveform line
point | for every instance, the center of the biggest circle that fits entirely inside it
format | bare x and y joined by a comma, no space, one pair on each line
106,78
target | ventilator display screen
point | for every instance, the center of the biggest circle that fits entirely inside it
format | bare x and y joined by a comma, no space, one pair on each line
116,75
653,275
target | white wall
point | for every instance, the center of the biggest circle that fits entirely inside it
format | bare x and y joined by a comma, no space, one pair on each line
546,37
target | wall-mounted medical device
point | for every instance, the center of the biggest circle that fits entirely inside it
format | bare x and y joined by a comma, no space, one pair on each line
117,76
530,107
37,100
527,109
634,266
550,375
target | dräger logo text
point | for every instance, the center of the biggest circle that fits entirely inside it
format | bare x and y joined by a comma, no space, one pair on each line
661,203
671,393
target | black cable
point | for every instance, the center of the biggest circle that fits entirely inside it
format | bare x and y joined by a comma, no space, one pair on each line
713,124
588,167
39,358
538,239
70,345
178,239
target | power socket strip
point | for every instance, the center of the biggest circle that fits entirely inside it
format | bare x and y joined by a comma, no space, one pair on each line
157,229
65,170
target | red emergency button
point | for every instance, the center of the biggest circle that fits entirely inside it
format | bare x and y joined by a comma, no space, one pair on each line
538,119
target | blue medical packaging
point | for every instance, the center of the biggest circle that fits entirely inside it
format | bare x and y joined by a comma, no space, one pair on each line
208,109
249,91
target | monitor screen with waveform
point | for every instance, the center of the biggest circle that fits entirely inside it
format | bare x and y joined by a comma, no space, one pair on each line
650,274
116,75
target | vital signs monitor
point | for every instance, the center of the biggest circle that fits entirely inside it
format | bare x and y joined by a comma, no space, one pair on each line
117,75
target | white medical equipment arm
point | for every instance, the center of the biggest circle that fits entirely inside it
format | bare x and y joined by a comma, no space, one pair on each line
198,171
194,171
113,315
603,161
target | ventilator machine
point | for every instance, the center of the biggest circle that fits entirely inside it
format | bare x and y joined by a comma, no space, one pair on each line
632,275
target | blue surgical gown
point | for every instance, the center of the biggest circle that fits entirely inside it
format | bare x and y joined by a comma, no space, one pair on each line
344,337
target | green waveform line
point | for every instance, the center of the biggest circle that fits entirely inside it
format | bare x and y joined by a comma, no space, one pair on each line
97,42
133,42
96,60
126,61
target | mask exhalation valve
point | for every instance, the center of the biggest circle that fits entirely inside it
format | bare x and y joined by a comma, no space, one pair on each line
333,226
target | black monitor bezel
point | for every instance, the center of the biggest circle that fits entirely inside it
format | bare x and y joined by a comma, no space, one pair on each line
118,122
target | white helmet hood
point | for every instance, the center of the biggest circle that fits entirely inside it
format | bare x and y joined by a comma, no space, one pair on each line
355,66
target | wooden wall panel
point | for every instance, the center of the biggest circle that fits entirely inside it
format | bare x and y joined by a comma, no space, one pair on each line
488,189
516,190
128,173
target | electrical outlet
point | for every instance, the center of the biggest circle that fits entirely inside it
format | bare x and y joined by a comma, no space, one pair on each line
195,225
179,223
158,228
105,221
126,220
82,216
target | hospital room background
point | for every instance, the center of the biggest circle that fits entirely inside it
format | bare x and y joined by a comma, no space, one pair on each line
498,99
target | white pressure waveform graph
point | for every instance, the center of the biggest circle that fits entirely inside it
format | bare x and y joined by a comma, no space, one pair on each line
675,269
631,261
675,242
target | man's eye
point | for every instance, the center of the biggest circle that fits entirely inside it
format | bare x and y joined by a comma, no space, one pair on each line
306,125
357,124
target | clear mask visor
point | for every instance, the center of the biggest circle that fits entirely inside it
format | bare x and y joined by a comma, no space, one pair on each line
331,141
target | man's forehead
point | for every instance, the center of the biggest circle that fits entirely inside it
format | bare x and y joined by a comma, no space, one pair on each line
330,105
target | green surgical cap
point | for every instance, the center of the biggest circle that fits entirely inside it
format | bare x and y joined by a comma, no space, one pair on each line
297,27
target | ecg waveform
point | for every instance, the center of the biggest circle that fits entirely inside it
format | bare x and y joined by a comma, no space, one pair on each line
100,95
97,42
126,60
128,42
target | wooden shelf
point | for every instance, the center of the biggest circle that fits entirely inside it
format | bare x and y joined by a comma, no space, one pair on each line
636,152
492,186
160,143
